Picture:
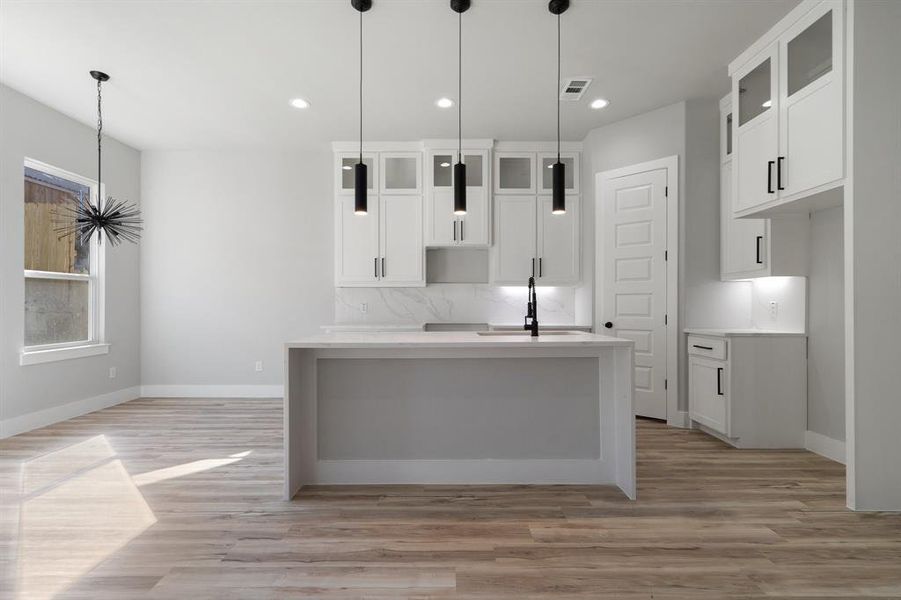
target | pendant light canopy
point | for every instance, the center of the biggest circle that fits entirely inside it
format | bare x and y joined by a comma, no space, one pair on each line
361,177
558,170
117,220
459,7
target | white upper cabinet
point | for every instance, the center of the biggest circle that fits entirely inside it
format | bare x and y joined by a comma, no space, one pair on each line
531,241
790,128
756,132
344,171
811,101
443,227
514,172
401,172
747,249
571,175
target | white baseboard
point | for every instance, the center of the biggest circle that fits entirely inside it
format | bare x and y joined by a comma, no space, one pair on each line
212,391
680,419
49,416
825,446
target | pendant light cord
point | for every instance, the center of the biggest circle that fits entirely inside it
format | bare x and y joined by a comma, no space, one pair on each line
99,143
460,87
558,88
361,87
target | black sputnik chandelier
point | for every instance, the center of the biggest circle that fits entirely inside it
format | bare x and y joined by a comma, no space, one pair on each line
118,220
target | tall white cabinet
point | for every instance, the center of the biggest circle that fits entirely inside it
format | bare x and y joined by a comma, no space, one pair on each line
383,248
531,241
788,95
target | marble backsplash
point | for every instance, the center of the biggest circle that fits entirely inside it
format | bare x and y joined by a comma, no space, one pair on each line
451,303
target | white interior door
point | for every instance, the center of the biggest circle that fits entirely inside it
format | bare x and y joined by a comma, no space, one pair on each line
634,283
401,261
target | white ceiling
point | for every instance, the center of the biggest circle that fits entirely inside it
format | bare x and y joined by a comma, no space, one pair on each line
206,74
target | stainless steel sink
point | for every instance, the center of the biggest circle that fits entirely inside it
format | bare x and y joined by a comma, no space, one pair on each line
540,333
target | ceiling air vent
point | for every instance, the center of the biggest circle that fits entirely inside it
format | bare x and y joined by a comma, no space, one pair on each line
574,87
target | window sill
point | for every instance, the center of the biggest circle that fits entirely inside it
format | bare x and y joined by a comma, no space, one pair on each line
36,357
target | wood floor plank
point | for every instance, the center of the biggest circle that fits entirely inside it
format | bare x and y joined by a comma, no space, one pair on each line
181,498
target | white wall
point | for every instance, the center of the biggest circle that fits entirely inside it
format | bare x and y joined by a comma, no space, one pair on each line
873,248
237,259
36,395
826,326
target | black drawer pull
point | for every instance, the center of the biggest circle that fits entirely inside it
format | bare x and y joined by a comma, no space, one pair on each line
703,347
719,381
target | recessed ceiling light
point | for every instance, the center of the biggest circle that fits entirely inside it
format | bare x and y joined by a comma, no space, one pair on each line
300,103
599,103
444,102
767,104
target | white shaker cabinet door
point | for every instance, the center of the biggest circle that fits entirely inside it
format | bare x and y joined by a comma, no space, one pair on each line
402,256
558,242
515,257
356,243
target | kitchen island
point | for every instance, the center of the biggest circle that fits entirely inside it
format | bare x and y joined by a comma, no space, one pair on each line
459,408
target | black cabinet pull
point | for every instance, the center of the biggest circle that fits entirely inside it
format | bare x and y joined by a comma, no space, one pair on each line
462,236
608,325
383,267
769,176
455,230
719,381
779,174
540,266
375,266
533,267
703,347
759,239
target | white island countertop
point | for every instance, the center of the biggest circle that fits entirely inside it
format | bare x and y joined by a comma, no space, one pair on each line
456,339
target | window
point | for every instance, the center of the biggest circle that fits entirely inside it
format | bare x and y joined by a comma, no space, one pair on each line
63,276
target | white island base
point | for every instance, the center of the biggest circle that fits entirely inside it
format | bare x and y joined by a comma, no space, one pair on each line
459,408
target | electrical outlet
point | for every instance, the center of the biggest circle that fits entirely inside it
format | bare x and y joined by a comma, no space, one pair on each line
258,366
774,309
112,372
364,307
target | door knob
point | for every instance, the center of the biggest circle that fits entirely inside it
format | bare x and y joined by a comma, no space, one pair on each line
608,325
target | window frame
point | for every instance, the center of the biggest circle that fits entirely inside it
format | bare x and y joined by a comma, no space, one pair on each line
96,340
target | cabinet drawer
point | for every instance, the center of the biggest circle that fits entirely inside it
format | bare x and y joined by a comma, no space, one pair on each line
707,346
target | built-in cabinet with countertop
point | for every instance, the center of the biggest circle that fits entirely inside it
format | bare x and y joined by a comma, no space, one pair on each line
788,102
384,247
531,241
752,248
749,387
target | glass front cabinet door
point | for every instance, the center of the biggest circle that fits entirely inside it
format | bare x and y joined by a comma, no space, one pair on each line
401,172
344,171
571,175
811,104
514,173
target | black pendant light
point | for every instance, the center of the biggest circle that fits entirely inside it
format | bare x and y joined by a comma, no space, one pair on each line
117,220
459,7
361,178
558,169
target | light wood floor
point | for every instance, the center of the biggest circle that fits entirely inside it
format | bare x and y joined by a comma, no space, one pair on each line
181,499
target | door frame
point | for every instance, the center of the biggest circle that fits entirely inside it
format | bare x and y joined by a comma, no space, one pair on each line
674,416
